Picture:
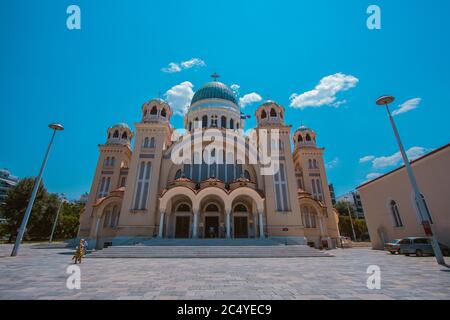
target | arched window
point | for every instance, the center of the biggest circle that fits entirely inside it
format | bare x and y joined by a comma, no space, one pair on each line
113,161
163,113
231,124
299,138
145,144
196,123
116,134
247,175
310,164
204,121
178,174
154,110
308,137
315,164
183,207
212,208
263,114
237,125
273,113
145,112
223,122
152,142
190,125
106,162
396,214
124,135
240,208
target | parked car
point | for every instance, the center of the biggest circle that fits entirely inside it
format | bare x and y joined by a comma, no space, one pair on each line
419,246
389,246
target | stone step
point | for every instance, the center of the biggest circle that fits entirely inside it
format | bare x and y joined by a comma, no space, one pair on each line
277,251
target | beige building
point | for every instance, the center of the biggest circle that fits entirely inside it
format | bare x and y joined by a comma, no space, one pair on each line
390,207
139,192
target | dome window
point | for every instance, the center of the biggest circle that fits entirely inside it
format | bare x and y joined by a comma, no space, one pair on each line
163,113
116,134
204,121
299,138
190,125
263,114
124,135
154,110
231,124
308,137
223,122
273,113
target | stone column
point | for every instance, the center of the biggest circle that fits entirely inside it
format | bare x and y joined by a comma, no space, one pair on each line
161,222
195,223
228,222
261,224
255,225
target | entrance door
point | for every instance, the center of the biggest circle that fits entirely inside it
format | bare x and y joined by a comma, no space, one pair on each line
240,227
211,227
182,226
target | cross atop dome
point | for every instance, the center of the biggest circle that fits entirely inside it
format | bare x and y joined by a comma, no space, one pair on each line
215,76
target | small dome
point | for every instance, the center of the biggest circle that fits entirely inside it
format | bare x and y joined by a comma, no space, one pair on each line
121,125
214,90
303,128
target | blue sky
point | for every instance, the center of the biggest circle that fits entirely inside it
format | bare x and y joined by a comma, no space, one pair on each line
91,78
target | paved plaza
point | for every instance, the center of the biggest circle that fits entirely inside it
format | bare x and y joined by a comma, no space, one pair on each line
41,274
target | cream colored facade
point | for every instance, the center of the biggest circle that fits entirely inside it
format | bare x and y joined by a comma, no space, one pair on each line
389,204
140,193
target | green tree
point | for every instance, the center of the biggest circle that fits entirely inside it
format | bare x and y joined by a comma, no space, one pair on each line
42,216
68,221
360,226
342,208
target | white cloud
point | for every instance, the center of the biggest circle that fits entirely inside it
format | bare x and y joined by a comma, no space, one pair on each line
366,159
325,92
333,163
249,99
407,106
172,68
183,65
373,175
194,62
396,158
179,97
235,87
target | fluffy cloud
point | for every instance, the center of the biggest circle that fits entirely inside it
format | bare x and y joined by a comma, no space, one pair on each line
194,62
325,92
366,159
183,65
396,158
249,99
407,106
333,163
372,176
235,87
179,97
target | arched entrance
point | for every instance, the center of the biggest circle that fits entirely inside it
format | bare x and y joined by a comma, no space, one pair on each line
240,221
183,221
212,221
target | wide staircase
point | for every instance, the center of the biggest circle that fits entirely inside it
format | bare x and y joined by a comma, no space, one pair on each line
209,248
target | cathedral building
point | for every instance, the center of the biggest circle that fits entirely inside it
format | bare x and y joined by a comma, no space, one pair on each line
140,193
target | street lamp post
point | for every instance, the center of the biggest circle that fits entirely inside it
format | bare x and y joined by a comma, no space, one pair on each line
56,219
350,215
422,212
55,127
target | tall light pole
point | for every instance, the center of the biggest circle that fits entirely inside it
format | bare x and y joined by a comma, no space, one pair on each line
350,215
57,215
55,127
422,212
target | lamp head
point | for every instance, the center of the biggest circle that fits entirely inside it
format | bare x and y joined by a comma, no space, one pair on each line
56,126
384,100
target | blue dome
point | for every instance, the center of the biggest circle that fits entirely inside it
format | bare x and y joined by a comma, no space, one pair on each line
214,90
